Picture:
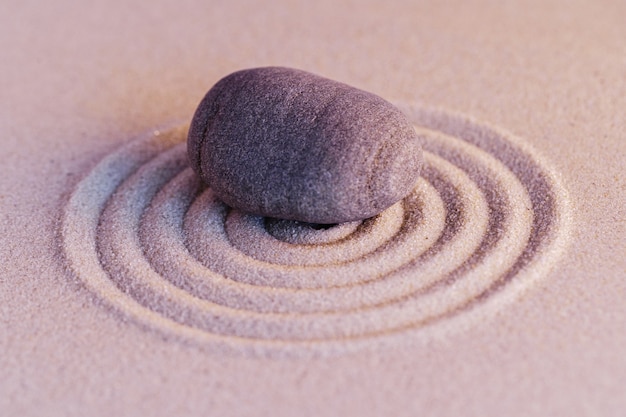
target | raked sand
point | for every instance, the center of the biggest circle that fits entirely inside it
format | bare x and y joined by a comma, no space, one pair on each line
496,287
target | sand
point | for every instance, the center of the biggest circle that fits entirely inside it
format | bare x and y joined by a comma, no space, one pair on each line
496,287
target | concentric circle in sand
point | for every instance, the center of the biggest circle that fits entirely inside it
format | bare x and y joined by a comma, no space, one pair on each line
486,219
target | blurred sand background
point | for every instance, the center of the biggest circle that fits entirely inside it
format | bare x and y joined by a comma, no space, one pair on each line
78,80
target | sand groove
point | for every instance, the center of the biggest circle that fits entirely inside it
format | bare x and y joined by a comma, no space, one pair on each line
486,220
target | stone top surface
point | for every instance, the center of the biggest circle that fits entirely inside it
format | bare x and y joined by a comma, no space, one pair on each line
288,144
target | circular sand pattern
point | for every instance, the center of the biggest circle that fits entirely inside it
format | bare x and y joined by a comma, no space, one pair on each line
486,219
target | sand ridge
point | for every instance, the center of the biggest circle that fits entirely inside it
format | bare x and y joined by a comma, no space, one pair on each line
81,78
487,219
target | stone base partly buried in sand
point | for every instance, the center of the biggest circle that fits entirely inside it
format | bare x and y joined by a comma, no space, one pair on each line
487,219
496,288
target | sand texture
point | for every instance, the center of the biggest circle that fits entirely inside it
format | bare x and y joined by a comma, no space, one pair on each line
495,287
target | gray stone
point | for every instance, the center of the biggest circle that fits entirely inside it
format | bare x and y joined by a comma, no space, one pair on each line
287,144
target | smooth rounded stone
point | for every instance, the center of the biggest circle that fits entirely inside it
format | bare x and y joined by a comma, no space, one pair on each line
288,144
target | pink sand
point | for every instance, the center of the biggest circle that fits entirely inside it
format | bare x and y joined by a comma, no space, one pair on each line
80,82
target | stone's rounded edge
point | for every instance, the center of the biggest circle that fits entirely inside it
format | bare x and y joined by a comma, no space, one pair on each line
261,136
404,160
195,135
379,135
